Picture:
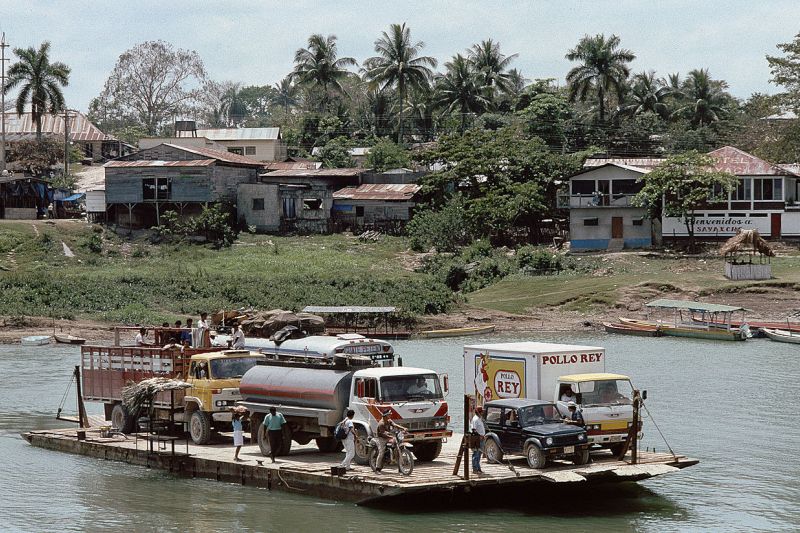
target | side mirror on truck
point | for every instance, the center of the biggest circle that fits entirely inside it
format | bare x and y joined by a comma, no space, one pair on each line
644,395
446,383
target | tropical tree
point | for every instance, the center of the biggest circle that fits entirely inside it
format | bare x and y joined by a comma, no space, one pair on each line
286,95
223,104
491,67
647,94
705,98
785,71
603,70
40,83
461,89
686,182
320,68
398,64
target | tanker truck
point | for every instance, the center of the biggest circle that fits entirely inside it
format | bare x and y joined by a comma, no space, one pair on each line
315,395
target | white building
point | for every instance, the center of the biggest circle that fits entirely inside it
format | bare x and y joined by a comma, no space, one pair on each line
261,144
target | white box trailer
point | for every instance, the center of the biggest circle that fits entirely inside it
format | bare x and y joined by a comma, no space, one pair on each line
544,371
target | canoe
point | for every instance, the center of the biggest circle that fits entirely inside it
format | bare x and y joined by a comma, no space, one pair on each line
35,340
781,335
456,332
695,331
629,329
68,339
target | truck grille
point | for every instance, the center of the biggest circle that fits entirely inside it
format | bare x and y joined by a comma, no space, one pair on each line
423,424
566,440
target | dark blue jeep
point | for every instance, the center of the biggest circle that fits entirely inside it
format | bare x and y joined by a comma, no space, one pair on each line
532,428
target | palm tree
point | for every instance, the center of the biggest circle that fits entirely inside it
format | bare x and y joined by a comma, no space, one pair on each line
705,98
491,66
318,67
647,93
286,94
604,69
41,82
461,88
399,64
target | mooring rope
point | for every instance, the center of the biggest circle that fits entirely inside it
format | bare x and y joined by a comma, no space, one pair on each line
66,392
653,420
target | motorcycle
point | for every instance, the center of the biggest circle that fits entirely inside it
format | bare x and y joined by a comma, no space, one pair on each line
398,453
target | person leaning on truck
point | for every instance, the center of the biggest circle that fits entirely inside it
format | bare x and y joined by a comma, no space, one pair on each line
274,422
477,427
575,417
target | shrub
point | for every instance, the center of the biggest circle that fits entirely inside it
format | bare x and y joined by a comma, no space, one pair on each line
445,229
535,260
214,223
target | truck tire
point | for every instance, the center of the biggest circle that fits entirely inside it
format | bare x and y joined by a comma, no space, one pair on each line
122,419
362,446
427,451
200,427
492,451
582,457
619,448
328,444
263,441
535,456
286,440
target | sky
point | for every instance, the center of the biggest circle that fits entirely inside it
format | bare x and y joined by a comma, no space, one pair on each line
253,42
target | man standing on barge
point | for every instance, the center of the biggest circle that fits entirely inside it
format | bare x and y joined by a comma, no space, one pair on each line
273,423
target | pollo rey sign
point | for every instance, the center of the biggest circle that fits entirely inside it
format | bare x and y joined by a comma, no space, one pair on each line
571,359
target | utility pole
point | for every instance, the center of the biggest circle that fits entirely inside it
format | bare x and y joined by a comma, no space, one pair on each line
66,142
3,60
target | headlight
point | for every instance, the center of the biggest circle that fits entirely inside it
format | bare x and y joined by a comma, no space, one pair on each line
581,437
549,441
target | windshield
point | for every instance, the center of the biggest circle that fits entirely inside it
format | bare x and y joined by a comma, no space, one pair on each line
407,388
232,368
538,414
606,392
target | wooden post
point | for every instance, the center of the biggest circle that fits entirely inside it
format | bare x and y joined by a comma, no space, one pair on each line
637,400
83,420
466,440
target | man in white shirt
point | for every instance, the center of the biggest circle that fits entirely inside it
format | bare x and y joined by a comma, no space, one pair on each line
477,426
200,338
140,338
349,441
238,338
568,396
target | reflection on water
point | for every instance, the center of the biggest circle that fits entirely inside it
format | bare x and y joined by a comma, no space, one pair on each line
719,402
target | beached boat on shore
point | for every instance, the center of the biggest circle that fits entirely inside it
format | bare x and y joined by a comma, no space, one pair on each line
61,338
782,335
631,329
456,332
35,340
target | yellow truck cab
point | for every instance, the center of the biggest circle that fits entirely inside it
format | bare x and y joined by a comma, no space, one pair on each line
214,379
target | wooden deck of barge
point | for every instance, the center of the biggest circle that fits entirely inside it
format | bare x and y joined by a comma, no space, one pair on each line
307,471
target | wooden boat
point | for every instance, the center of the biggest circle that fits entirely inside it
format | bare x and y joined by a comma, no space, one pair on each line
630,329
781,335
68,339
456,332
714,330
35,340
794,327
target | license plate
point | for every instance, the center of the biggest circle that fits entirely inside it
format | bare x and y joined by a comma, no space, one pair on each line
569,449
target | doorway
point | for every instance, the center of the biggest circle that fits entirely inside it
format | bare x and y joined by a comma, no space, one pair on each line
616,227
775,226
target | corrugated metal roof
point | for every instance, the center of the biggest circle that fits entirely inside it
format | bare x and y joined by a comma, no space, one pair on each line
80,128
640,170
158,163
332,309
228,157
739,162
293,165
378,191
237,134
359,151
693,306
641,162
316,173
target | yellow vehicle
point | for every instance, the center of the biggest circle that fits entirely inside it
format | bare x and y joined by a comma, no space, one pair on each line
214,378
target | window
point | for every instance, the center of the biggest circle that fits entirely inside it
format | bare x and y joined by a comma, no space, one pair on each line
718,193
493,415
249,150
238,150
258,204
626,187
743,190
591,222
359,210
288,208
367,388
583,187
156,189
768,189
312,204
638,221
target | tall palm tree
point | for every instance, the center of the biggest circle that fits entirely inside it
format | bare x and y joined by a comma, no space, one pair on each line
491,66
318,67
399,64
40,83
461,88
603,69
286,94
705,98
647,93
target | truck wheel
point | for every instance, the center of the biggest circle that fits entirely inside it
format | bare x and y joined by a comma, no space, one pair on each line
492,451
362,447
121,419
200,427
618,449
582,457
328,444
536,457
427,451
263,440
286,441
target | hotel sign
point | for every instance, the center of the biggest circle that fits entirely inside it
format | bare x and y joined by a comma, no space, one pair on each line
715,226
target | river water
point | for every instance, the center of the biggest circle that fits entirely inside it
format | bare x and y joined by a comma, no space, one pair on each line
731,405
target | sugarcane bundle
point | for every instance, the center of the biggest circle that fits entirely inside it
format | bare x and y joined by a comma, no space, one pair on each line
137,396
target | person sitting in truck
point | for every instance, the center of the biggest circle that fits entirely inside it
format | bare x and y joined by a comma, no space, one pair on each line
237,342
140,338
186,335
568,395
420,388
575,417
385,434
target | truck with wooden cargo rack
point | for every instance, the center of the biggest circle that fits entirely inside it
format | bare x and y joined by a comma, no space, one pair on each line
545,371
205,406
313,392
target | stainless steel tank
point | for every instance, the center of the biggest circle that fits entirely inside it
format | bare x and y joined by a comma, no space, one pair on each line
300,387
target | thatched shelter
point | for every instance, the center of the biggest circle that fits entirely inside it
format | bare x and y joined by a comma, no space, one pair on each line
739,252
